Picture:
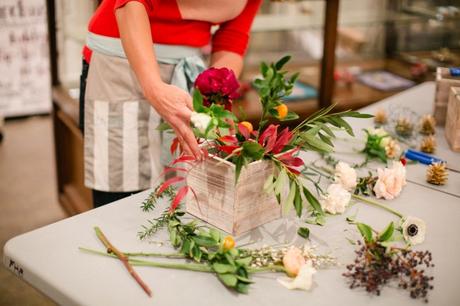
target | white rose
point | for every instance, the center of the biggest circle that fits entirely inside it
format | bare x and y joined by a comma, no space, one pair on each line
336,199
303,280
413,230
382,133
345,175
390,181
200,121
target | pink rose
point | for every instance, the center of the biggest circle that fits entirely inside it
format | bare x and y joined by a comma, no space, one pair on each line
218,85
293,260
390,181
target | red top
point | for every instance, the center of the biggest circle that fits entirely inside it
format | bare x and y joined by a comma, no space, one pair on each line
168,27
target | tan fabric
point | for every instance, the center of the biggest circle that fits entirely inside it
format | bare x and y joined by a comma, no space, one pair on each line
122,147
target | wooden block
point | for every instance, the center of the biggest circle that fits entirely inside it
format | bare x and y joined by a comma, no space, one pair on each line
235,209
444,81
452,130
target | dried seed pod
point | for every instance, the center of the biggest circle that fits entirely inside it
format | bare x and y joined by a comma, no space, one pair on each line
380,117
427,125
428,144
436,174
404,127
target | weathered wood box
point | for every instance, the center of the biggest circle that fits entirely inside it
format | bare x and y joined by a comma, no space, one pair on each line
452,130
444,81
235,209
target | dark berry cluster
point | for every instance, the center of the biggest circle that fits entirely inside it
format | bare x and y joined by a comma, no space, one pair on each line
375,267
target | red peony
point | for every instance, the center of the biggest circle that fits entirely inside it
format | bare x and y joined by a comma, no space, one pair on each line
218,85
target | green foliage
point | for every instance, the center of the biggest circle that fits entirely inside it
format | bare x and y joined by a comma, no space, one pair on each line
303,232
366,232
373,148
272,88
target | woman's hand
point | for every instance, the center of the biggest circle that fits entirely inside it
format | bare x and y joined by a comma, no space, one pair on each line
175,106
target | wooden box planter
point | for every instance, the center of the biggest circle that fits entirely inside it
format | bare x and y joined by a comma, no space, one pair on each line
444,81
235,209
452,130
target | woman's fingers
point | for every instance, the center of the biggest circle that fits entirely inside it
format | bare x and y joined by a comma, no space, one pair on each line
189,102
189,138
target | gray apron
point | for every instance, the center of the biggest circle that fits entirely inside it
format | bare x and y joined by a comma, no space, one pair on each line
123,151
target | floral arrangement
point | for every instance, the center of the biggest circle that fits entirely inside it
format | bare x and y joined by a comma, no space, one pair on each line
223,136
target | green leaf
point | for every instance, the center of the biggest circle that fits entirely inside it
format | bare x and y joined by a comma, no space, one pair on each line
339,122
243,279
313,201
366,231
215,234
303,232
229,280
298,202
281,181
253,149
263,68
223,268
290,116
204,241
357,115
387,233
197,101
290,198
316,143
279,64
244,261
242,287
268,185
163,126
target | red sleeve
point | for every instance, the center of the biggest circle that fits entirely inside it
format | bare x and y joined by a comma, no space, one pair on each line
233,35
147,3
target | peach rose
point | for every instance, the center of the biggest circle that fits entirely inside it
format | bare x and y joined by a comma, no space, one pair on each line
293,260
390,181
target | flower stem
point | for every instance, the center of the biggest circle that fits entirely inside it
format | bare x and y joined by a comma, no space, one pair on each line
387,208
124,259
164,255
274,268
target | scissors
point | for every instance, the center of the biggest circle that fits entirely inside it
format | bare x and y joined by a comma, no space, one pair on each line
425,159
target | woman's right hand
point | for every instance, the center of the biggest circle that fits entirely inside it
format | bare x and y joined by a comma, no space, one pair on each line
175,106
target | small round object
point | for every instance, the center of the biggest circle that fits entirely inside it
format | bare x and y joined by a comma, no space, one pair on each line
282,110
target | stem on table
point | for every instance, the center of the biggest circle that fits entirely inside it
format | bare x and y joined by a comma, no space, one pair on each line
124,260
387,208
163,255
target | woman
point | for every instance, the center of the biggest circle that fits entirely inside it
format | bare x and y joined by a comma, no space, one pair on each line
143,57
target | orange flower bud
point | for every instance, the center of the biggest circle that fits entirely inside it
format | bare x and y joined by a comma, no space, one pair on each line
248,125
282,111
228,243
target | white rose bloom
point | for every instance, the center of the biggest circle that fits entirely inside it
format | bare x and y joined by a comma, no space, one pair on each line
336,199
390,181
345,175
380,132
200,121
303,280
413,230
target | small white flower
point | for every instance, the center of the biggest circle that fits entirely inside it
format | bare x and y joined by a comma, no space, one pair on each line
336,199
345,175
390,181
413,230
382,133
303,280
200,121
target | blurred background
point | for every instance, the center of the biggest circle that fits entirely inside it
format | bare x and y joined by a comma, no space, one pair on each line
348,52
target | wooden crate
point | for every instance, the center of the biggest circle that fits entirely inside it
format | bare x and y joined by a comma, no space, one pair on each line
444,81
235,209
452,130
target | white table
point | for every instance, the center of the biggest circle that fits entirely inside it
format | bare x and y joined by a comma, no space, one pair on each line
50,260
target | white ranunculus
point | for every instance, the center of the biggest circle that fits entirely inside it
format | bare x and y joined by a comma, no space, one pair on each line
345,175
303,280
413,230
200,121
336,199
390,181
380,132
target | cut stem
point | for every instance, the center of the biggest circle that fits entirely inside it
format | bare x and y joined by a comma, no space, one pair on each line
124,260
387,208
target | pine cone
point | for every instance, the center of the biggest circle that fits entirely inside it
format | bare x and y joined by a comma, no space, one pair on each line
404,127
428,144
436,174
427,125
380,117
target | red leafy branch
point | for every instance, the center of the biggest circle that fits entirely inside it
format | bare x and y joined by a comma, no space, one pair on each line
124,260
